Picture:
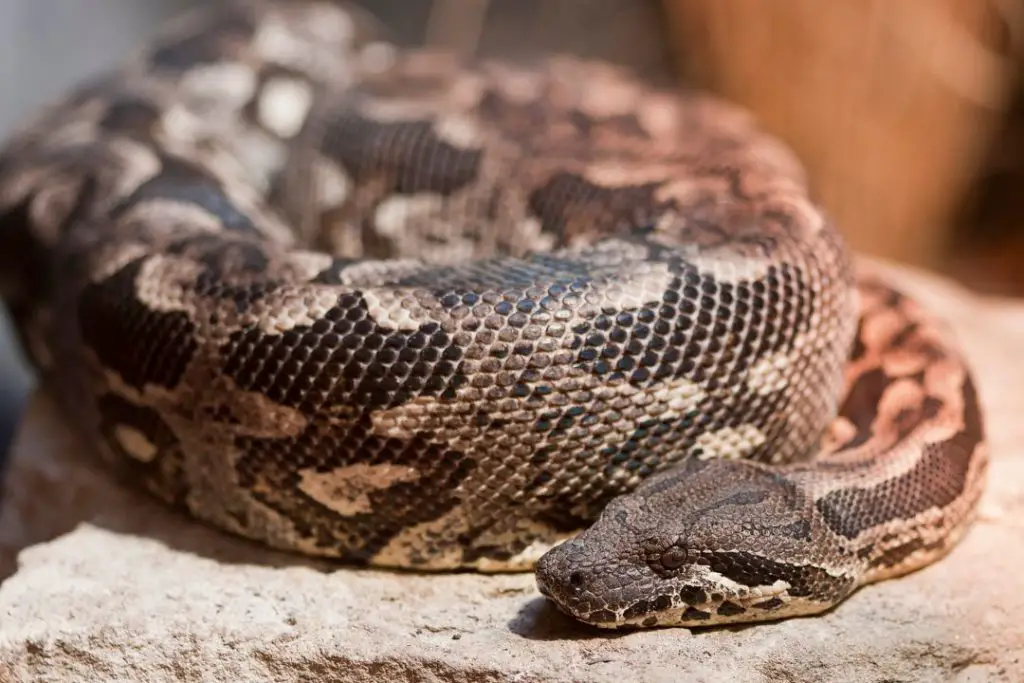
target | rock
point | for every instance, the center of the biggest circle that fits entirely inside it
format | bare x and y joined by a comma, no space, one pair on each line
104,584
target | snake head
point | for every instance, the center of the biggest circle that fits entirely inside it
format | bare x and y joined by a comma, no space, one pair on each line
711,543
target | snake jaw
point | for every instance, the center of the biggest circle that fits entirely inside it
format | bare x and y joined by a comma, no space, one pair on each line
622,593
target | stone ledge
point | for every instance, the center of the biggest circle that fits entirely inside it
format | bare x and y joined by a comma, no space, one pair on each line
106,585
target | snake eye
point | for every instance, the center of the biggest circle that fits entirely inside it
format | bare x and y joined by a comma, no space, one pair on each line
673,558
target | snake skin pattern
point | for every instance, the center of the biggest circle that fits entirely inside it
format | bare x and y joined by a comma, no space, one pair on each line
364,302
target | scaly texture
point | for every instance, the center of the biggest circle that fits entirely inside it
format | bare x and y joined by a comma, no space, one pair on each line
367,303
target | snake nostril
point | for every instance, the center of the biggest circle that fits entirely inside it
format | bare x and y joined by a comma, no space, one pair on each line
576,579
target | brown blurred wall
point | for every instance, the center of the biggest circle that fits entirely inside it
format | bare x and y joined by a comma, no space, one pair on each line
891,105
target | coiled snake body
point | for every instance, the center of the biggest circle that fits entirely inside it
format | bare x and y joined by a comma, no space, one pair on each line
361,302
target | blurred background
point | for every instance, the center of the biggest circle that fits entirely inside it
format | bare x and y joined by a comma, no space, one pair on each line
909,115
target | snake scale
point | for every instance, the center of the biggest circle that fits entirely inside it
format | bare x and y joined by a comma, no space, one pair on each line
366,302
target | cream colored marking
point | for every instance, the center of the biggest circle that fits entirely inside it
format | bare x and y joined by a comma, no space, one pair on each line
642,288
300,306
260,157
305,265
366,273
258,416
770,374
660,116
231,83
729,267
731,443
678,397
386,309
459,131
284,105
53,202
172,216
331,185
529,231
346,489
135,443
616,174
165,283
839,431
524,560
109,261
139,164
394,213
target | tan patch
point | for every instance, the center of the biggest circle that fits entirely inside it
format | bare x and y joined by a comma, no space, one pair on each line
731,443
394,214
171,215
395,309
232,83
331,186
659,114
346,489
459,131
374,273
839,431
530,233
283,106
139,164
733,268
165,283
615,174
108,261
261,417
135,443
677,397
295,307
259,157
770,374
305,265
525,560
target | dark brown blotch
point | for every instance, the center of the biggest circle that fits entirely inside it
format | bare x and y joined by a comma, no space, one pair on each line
692,595
730,609
694,614
142,345
773,603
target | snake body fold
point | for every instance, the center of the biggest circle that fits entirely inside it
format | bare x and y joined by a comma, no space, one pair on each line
363,302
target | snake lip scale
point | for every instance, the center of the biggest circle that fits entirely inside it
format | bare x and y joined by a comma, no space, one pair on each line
365,302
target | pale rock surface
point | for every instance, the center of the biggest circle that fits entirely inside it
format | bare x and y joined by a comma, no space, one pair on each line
105,585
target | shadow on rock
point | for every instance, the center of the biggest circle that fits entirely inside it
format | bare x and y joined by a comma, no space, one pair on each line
540,620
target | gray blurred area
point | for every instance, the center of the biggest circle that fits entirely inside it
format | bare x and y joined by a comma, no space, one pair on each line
47,45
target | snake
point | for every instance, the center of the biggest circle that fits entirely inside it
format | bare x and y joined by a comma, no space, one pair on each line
394,307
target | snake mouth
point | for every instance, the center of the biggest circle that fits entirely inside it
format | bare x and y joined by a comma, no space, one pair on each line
671,610
623,596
